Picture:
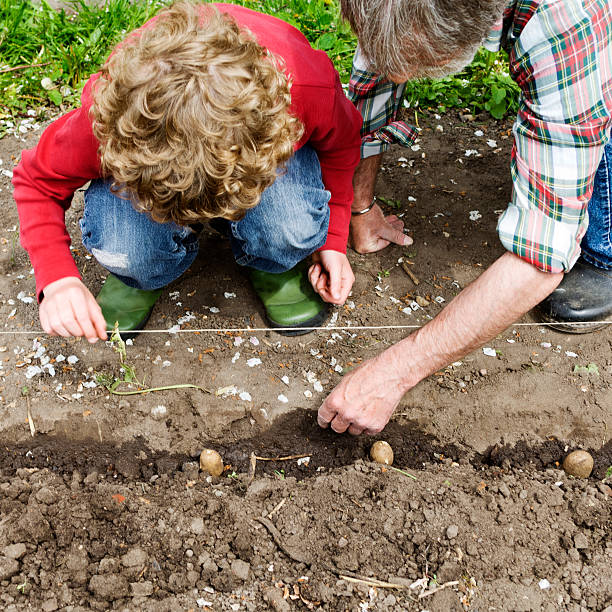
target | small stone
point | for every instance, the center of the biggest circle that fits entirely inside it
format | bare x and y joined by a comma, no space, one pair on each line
91,478
504,490
141,589
8,568
109,586
159,412
342,542
50,605
46,496
240,569
197,526
14,551
544,584
452,531
581,541
124,404
136,557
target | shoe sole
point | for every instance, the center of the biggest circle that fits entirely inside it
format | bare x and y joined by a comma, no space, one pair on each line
315,322
573,328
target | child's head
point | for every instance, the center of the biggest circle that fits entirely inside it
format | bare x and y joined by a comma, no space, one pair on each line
192,116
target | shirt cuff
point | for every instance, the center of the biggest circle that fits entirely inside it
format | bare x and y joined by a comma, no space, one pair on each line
396,132
549,245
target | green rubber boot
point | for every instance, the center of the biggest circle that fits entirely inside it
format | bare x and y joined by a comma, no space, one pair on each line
289,299
130,307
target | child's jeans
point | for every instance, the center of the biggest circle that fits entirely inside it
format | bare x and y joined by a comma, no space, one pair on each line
597,242
289,223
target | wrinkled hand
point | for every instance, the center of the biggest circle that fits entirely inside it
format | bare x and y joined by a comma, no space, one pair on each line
331,276
69,309
364,400
373,231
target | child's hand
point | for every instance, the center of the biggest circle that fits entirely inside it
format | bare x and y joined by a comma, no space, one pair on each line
331,276
69,309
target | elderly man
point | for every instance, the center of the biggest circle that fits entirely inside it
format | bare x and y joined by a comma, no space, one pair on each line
558,255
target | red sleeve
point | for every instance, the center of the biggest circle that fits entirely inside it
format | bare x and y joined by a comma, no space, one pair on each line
45,181
333,127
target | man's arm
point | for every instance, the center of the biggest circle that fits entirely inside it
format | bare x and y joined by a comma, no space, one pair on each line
366,398
372,231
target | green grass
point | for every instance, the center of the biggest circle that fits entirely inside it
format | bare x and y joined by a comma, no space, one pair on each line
47,55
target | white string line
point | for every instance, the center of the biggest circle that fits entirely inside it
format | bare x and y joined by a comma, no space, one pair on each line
217,330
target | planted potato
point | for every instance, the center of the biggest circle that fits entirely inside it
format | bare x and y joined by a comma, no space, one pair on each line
578,463
211,462
381,452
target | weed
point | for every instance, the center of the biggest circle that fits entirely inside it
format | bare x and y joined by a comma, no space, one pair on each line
384,274
395,204
129,373
280,474
484,85
608,473
22,587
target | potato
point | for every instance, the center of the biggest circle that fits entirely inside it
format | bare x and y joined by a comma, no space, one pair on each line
579,464
211,462
381,452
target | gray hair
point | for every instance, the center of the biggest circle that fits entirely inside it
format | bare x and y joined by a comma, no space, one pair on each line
420,37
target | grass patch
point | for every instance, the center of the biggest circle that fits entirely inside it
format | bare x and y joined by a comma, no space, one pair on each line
47,55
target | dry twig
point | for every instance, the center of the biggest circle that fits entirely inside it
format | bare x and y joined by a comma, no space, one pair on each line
410,273
288,458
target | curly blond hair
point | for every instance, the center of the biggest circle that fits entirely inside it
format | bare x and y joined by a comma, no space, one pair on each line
192,117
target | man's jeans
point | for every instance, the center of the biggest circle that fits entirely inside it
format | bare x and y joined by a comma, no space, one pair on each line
289,223
597,242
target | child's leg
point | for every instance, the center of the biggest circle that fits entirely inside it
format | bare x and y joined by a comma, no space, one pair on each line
141,253
289,223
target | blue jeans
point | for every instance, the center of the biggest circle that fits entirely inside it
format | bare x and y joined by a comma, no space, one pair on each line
597,242
289,223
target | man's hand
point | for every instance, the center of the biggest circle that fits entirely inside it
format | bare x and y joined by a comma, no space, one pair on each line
331,276
69,309
373,231
365,399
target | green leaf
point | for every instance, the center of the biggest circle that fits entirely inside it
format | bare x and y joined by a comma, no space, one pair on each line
55,96
326,41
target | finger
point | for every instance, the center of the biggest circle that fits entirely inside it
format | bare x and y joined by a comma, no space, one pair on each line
80,309
389,233
348,278
44,321
355,430
325,415
63,322
334,273
313,273
97,317
339,425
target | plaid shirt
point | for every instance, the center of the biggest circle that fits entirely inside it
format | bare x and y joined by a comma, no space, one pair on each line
560,54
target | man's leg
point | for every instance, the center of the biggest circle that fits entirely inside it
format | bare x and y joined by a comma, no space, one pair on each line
141,255
275,237
583,299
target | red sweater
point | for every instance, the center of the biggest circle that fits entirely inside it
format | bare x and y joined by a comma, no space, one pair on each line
66,156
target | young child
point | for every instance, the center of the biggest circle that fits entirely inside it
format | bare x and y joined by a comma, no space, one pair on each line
207,111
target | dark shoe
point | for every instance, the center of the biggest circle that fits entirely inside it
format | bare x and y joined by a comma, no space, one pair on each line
581,302
130,307
289,299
